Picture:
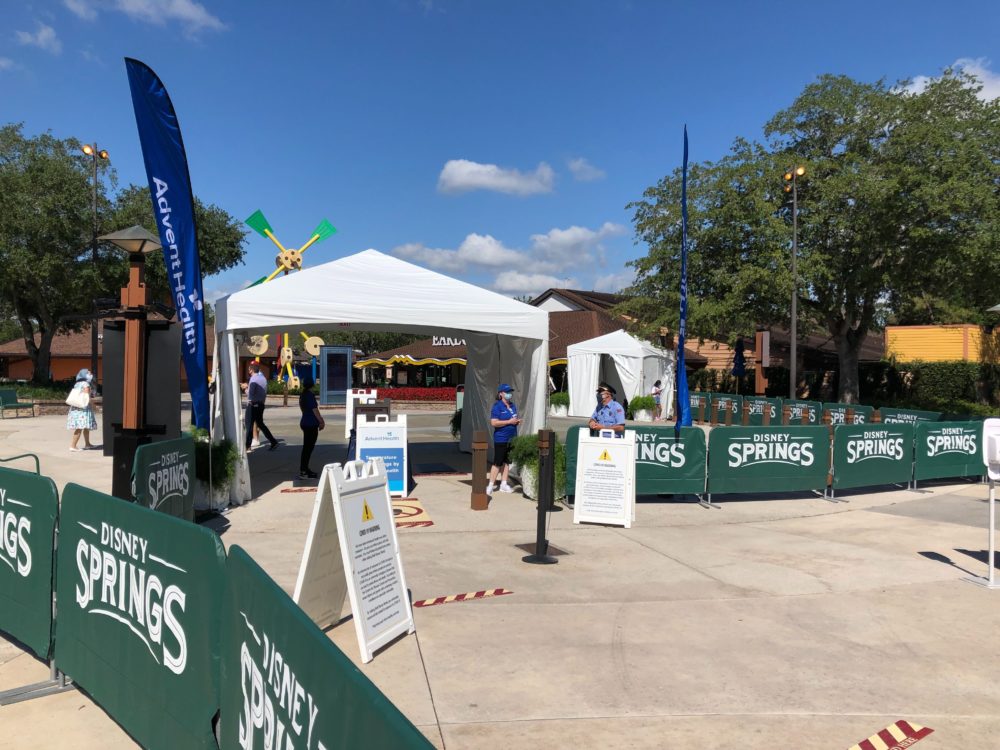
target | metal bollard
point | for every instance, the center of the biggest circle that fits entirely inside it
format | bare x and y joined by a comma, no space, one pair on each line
480,500
546,489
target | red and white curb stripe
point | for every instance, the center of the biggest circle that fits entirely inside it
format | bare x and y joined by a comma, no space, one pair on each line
461,597
896,736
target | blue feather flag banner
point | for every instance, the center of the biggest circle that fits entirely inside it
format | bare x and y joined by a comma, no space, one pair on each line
173,207
683,399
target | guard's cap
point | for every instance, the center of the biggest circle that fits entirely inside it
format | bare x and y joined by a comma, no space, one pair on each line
608,388
504,388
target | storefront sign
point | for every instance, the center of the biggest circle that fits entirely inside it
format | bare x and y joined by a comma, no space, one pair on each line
28,509
356,549
384,437
605,479
446,341
163,477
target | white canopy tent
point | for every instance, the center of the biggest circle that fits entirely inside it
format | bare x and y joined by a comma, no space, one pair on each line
508,341
627,364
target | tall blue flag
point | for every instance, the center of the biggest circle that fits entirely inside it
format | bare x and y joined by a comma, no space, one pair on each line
683,399
173,206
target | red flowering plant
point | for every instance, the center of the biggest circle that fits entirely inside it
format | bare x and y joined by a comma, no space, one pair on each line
446,393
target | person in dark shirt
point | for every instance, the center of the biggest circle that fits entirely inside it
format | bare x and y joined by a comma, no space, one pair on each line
504,420
311,423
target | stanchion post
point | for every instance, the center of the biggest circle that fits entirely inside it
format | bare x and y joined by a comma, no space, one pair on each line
546,486
480,500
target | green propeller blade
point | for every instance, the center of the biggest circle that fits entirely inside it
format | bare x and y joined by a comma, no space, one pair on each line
259,224
261,279
324,230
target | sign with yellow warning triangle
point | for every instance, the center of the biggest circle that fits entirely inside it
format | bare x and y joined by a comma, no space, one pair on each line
605,479
352,552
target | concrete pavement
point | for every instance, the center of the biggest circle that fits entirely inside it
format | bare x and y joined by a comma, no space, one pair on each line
774,622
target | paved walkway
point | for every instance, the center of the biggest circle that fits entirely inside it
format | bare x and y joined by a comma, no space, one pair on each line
772,623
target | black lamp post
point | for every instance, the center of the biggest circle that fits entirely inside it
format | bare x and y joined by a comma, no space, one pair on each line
792,186
92,151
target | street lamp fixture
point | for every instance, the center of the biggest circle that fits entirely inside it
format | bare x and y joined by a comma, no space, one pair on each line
792,186
96,155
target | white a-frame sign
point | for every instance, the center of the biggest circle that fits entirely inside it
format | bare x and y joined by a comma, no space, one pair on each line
353,551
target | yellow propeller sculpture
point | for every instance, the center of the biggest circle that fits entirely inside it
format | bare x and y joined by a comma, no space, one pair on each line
286,261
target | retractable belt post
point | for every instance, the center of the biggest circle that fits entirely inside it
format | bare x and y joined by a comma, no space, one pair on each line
546,489
480,501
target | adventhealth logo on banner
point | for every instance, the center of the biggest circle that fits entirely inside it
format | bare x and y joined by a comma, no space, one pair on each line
118,579
958,440
15,528
875,444
277,708
770,448
170,480
186,303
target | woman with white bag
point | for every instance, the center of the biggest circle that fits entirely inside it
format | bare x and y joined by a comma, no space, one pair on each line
81,415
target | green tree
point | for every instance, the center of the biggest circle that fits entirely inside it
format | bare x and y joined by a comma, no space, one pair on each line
46,227
899,211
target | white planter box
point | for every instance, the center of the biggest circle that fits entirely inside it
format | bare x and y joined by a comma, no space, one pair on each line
643,415
528,479
211,500
558,411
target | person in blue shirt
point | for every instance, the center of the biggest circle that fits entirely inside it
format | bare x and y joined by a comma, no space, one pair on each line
311,423
609,414
504,420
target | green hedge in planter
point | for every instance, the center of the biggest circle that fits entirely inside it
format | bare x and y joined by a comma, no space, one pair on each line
559,399
641,403
224,457
524,452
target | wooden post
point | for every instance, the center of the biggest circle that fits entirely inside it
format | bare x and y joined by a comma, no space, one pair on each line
701,410
786,414
746,414
766,415
805,415
480,500
714,417
851,417
729,413
877,417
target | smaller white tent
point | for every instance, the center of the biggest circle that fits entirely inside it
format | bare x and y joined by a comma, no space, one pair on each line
627,364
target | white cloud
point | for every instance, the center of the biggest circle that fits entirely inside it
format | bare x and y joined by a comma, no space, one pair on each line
614,282
584,171
82,9
461,175
6,63
979,67
515,282
191,14
45,38
436,258
561,249
485,250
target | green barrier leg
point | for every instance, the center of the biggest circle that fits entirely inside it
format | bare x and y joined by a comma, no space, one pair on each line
57,683
705,501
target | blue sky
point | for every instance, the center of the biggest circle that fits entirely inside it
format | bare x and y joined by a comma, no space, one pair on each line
498,142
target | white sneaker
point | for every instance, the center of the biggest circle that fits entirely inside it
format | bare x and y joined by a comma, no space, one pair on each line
504,487
255,444
489,488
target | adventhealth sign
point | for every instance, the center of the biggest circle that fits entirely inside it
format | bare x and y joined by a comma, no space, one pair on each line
28,508
139,598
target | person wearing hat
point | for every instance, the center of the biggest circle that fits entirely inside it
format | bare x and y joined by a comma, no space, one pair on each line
609,414
81,419
504,420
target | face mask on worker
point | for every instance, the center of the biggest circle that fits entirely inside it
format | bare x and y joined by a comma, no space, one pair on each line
507,395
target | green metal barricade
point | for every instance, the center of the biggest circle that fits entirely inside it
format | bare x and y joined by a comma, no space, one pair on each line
872,454
948,449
